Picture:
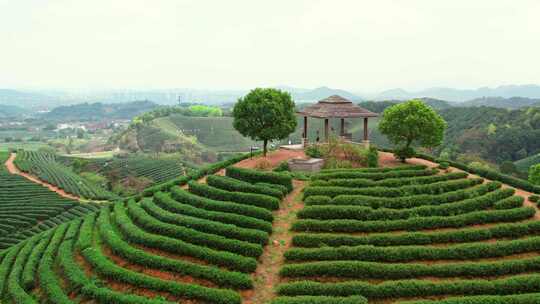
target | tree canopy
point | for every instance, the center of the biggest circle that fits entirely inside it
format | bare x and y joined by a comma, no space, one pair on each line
534,174
412,123
265,114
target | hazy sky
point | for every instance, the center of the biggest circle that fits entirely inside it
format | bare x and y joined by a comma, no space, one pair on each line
357,45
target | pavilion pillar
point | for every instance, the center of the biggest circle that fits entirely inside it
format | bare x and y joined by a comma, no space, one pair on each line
366,137
305,131
326,137
342,132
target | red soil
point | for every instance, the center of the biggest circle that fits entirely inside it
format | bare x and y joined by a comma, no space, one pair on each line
274,158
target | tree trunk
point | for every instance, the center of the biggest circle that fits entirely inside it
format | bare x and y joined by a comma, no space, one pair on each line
265,144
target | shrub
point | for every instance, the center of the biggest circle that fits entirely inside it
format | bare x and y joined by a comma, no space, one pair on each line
412,253
250,199
108,269
134,234
313,151
389,182
167,203
435,188
534,198
434,222
408,201
212,205
404,153
319,300
283,166
444,165
373,157
231,184
512,230
396,271
204,225
151,224
324,212
281,188
534,174
253,176
377,170
325,175
417,288
141,257
494,175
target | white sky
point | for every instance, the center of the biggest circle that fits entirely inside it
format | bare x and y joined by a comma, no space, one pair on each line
357,45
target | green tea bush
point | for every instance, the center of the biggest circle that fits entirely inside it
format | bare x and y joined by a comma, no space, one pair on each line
134,234
396,271
512,230
500,199
203,225
405,202
433,222
185,197
372,175
250,199
389,182
231,184
166,202
319,300
138,256
151,224
253,176
418,288
435,188
412,253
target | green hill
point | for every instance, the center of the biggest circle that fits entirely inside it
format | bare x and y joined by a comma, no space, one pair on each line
524,164
99,111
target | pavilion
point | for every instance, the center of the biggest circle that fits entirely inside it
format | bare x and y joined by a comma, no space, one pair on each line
335,107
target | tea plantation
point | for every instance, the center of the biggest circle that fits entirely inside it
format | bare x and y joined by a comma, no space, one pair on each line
45,166
407,234
412,235
196,244
27,208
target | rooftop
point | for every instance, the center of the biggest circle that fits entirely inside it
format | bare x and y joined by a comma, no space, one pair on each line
336,106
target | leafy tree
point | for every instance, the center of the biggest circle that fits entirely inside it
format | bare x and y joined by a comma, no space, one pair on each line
412,122
534,174
508,167
265,114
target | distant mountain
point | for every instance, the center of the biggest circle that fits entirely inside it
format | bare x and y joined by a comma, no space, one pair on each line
22,98
380,106
459,95
99,111
501,102
321,93
8,111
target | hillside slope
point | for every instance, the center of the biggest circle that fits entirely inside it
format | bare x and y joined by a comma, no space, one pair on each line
201,243
198,246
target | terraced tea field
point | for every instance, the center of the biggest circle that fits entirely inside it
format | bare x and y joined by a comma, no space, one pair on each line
380,235
157,170
190,246
46,167
411,235
27,208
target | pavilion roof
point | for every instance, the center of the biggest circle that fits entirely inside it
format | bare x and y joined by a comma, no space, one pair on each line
336,107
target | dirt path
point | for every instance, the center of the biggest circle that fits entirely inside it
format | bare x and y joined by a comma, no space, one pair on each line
266,277
10,165
274,158
387,159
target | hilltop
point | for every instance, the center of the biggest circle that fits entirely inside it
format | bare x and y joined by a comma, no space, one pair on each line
100,111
